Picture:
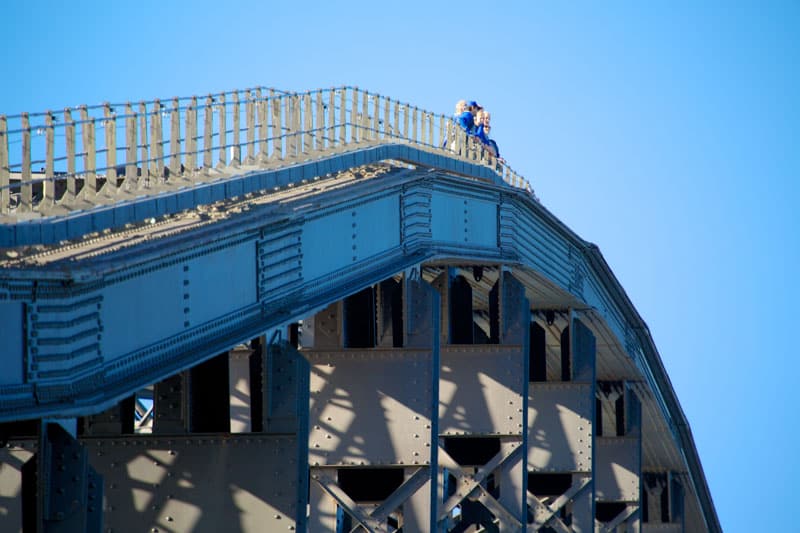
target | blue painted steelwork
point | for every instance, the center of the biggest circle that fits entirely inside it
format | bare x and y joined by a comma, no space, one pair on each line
99,328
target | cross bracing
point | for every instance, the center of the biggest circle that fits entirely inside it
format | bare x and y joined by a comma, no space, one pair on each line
479,365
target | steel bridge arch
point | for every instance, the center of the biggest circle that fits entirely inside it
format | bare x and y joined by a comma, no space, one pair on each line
290,241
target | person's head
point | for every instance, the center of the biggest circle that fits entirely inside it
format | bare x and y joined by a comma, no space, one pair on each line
473,107
482,118
461,106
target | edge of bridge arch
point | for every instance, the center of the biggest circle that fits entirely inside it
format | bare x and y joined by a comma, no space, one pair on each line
54,229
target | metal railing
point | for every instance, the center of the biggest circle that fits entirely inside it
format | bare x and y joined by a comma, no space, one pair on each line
54,162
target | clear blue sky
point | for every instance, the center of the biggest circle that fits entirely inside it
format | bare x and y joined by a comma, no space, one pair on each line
666,132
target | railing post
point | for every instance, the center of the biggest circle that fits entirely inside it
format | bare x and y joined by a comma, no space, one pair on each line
69,139
49,185
288,120
319,134
386,128
191,136
175,139
365,129
405,122
431,118
26,191
110,133
89,152
354,116
236,156
130,152
330,133
277,126
208,124
296,125
223,132
250,123
157,136
442,141
261,106
413,124
308,121
396,123
144,146
376,116
342,116
5,174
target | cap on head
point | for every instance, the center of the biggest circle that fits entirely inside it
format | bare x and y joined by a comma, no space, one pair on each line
473,103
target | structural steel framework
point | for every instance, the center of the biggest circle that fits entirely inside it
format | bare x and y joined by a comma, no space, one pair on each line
351,319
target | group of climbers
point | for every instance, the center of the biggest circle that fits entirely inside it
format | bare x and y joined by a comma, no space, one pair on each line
475,120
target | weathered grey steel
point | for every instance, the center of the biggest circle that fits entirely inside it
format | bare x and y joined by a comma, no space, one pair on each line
208,124
144,144
26,190
175,139
236,156
69,138
48,187
191,136
222,157
157,136
130,148
295,130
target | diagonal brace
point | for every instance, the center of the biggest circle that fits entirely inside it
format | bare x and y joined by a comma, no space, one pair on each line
549,511
621,518
469,485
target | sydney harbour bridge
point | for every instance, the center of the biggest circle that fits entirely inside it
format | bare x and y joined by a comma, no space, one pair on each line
320,311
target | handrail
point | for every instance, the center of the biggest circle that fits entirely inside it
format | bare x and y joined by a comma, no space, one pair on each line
90,155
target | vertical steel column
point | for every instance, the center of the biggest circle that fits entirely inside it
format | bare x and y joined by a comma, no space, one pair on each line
208,130
331,119
61,492
223,132
354,123
309,137
130,147
357,453
157,136
89,153
239,390
250,125
26,189
319,123
69,139
561,436
342,118
277,127
414,114
386,130
405,133
110,133
376,116
170,405
364,123
144,145
191,136
236,149
483,391
49,185
175,140
263,134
